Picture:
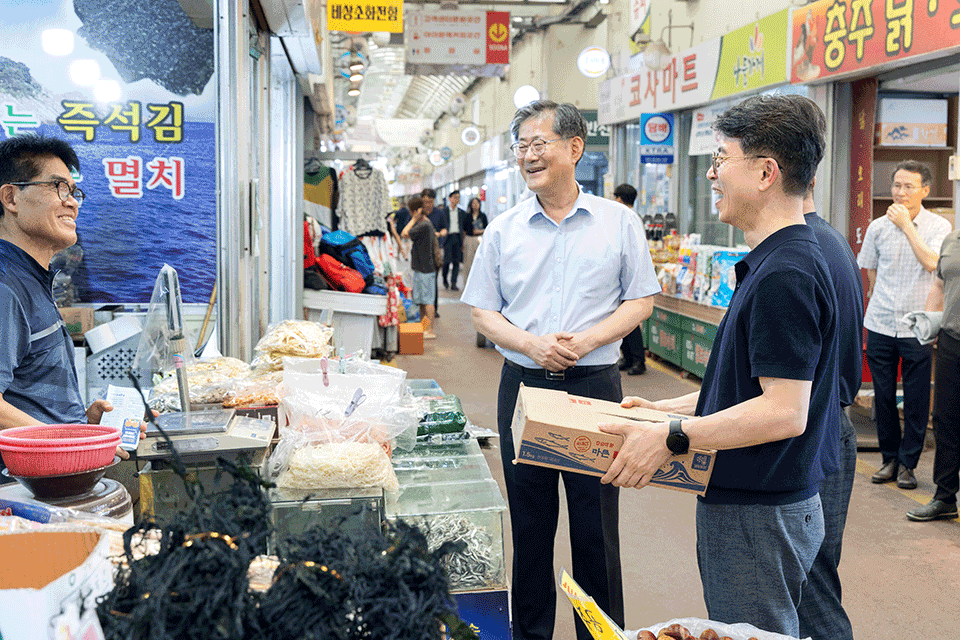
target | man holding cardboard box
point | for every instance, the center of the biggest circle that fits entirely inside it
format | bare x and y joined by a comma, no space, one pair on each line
769,401
557,282
39,204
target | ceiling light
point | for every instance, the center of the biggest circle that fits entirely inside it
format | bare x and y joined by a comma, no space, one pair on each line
354,91
657,55
57,42
525,95
356,66
356,77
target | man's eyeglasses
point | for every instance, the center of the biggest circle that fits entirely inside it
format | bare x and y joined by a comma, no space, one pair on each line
906,188
718,160
64,190
538,146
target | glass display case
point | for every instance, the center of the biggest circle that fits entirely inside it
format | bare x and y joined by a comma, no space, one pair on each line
356,510
446,489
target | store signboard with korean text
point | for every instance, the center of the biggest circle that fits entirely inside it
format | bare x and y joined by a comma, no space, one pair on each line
831,37
639,19
687,80
365,15
752,57
656,138
598,135
473,43
136,100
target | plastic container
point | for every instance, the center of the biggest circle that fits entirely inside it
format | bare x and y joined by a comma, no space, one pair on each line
47,450
58,435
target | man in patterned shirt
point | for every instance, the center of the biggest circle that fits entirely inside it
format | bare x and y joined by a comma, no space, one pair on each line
900,252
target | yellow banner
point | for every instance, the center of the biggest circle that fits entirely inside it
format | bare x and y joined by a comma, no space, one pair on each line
601,627
365,15
753,56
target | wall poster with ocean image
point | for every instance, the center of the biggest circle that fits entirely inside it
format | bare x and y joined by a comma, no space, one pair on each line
130,85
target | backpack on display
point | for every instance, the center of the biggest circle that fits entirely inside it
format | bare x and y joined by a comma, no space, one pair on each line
349,250
340,276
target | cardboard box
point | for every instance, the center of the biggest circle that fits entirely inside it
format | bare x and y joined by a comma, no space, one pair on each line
410,339
56,575
79,320
554,429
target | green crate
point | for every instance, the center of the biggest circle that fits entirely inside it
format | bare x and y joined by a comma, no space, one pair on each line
700,328
666,342
696,353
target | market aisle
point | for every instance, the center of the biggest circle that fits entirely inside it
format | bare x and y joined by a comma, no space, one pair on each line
898,576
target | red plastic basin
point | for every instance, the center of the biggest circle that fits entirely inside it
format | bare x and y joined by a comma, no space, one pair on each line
53,460
58,435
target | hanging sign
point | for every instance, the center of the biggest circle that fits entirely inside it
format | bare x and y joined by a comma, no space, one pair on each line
753,56
365,15
457,43
831,38
656,138
593,62
597,134
136,101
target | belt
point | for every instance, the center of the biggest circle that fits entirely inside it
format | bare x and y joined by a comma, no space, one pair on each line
566,374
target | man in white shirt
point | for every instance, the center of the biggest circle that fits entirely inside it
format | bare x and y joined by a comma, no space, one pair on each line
900,252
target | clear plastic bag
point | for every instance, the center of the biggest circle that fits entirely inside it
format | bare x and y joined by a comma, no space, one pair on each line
255,391
696,626
160,345
292,338
210,380
443,415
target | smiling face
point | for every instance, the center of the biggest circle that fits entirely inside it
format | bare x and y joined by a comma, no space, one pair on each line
733,182
455,201
36,219
555,168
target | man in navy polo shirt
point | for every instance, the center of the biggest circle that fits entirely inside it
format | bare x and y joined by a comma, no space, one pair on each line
39,204
770,399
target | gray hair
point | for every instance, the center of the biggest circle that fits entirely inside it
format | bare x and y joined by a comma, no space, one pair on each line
567,119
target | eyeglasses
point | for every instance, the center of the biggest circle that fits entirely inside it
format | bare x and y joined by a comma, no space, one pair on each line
538,146
719,160
64,190
906,188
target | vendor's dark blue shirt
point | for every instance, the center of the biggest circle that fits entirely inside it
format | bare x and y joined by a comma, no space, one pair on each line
782,323
37,372
842,265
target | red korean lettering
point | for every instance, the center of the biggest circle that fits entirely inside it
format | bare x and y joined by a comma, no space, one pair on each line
689,73
125,176
169,173
653,81
670,79
635,94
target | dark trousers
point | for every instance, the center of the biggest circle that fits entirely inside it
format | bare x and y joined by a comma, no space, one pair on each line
633,349
883,355
452,257
946,418
533,496
820,612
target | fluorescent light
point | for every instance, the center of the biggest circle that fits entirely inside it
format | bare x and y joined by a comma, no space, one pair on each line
354,91
85,73
57,42
106,91
356,66
356,77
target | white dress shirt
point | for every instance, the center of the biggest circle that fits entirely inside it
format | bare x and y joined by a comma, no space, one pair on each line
902,283
546,277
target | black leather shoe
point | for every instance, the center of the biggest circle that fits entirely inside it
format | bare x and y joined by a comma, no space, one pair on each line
886,473
933,510
623,365
906,479
637,370
454,288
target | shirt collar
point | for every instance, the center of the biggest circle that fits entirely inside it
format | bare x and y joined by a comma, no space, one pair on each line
26,261
579,205
753,260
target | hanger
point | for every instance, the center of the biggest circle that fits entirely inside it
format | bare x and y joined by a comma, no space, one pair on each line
362,168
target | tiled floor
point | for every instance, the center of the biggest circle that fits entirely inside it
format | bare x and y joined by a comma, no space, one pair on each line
900,578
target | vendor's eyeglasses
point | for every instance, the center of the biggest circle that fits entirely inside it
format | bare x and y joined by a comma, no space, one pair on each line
64,190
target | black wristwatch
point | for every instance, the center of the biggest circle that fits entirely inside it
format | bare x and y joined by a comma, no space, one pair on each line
677,441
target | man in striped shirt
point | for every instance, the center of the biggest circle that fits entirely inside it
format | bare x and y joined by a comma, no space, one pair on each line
899,252
39,203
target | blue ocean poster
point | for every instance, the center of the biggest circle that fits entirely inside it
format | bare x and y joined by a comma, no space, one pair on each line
131,86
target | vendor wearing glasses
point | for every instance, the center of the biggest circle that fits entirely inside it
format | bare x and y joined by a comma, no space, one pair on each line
900,252
39,204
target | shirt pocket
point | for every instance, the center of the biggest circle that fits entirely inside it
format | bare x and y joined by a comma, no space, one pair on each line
597,275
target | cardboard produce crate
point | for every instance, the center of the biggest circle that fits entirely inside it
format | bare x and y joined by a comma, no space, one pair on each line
554,429
410,339
79,320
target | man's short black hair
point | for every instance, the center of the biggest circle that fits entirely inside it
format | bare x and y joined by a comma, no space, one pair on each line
626,193
787,128
22,157
455,192
926,178
429,193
